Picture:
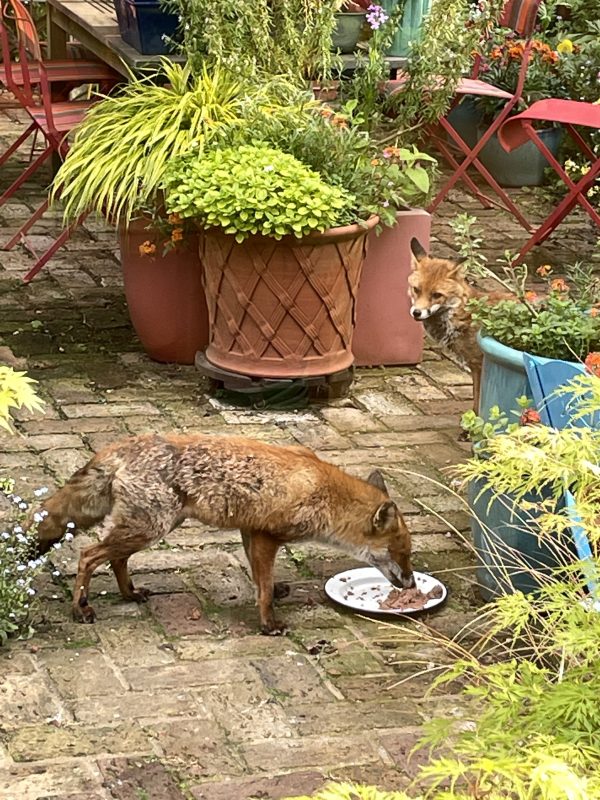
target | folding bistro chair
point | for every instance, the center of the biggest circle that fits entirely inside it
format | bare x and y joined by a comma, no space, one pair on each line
64,74
54,121
520,16
571,114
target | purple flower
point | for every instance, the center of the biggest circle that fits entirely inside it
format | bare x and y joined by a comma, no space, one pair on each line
376,16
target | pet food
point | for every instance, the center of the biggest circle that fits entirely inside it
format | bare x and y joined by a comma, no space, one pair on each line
410,599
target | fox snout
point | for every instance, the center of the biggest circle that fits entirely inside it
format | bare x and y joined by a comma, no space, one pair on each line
419,313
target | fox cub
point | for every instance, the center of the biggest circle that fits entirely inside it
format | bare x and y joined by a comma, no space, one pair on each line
145,486
440,293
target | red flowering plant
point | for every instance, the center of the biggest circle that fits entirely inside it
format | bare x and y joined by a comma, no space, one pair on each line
501,62
557,320
479,430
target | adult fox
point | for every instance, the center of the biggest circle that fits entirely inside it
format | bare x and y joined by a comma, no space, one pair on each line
145,486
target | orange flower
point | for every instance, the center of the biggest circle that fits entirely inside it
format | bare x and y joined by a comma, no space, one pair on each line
516,51
496,53
531,297
544,270
391,152
594,312
374,162
326,112
530,417
559,285
177,235
339,121
147,249
174,219
592,362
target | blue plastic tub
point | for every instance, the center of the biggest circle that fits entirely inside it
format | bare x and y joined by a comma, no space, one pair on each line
510,554
145,26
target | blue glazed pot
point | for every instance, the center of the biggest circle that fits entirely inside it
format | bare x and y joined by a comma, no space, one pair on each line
507,546
503,378
523,166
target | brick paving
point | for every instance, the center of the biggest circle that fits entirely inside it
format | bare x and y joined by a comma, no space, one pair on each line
181,698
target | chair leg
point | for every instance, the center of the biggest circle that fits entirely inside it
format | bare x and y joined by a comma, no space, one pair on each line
21,140
26,174
56,245
20,234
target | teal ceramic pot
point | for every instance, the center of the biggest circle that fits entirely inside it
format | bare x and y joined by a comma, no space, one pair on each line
510,557
503,378
409,30
348,28
466,118
521,167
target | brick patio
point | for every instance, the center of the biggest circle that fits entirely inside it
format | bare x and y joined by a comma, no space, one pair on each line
181,698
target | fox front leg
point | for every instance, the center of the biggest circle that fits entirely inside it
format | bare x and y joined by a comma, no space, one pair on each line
262,549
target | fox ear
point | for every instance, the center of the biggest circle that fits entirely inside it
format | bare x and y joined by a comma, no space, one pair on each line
376,479
417,249
385,516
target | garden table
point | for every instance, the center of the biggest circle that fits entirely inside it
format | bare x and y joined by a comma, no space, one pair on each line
93,23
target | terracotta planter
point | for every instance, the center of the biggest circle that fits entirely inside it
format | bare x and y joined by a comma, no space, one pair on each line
386,334
283,309
165,296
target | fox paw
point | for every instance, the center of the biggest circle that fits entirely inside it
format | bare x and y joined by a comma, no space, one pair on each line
140,595
273,629
84,614
280,590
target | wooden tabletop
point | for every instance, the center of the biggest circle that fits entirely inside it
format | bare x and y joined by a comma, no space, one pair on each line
94,24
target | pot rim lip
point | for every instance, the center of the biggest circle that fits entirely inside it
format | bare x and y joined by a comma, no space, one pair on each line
331,234
501,352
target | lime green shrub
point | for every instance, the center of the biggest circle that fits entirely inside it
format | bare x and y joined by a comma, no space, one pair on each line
253,190
16,391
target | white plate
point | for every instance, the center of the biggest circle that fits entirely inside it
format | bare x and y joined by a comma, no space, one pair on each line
364,588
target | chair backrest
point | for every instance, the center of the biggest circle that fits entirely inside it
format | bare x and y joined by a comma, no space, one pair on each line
520,16
29,41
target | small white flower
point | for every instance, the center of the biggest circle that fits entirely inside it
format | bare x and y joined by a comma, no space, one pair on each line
20,538
10,550
21,567
269,168
5,535
70,525
56,573
23,506
57,545
12,615
42,490
31,592
16,499
20,582
17,529
37,517
68,537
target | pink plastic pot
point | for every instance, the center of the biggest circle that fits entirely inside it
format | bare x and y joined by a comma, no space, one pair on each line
385,332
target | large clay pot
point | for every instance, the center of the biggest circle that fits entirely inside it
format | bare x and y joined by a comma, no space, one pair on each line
386,334
165,296
283,309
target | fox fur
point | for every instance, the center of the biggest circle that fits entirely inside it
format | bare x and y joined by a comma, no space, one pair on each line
142,487
439,293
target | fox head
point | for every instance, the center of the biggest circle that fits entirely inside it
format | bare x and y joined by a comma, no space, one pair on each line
435,284
389,546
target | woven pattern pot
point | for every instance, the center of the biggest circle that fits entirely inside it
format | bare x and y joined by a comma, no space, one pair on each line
283,308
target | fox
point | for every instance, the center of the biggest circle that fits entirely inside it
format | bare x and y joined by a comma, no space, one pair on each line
439,293
142,487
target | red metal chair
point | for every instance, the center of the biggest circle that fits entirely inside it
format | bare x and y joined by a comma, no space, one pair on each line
520,16
55,121
571,114
65,75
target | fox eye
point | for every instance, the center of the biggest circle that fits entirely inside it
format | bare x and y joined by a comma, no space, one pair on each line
437,296
416,290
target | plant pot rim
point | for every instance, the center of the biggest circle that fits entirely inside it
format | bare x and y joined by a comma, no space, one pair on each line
350,13
509,355
338,234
